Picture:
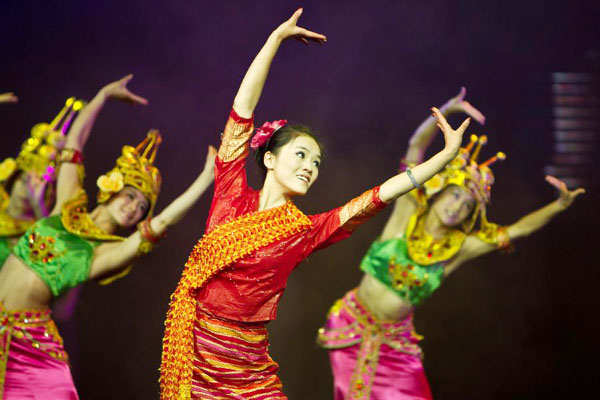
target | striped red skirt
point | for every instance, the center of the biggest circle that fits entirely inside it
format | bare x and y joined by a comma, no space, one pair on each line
232,360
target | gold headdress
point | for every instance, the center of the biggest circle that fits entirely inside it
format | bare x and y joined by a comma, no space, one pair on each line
135,167
464,171
38,152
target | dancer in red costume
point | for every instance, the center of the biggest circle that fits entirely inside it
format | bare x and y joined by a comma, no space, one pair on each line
215,344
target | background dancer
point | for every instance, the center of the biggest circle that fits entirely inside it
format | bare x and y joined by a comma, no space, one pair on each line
373,347
73,246
27,190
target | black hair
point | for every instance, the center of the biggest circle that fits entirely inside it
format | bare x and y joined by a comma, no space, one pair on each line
282,137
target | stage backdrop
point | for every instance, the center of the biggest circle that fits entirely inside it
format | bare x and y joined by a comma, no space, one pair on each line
519,326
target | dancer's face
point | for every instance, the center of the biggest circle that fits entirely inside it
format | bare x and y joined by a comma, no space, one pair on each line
26,186
453,205
295,167
128,207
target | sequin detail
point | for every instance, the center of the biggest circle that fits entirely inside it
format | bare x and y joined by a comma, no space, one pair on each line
17,324
77,221
222,247
234,141
424,249
41,248
370,333
403,276
360,209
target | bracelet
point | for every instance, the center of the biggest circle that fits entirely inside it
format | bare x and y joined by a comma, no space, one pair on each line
412,178
149,237
70,156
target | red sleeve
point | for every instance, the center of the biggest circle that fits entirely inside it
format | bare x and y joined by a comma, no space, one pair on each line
230,171
338,224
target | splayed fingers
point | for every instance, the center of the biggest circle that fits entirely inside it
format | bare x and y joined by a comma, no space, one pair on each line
566,196
290,29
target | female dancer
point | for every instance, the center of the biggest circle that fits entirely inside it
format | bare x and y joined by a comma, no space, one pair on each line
73,246
374,351
215,343
30,178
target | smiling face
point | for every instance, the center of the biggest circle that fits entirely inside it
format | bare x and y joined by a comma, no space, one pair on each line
128,207
453,205
295,166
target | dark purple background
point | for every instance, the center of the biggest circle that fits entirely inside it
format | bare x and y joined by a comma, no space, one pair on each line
517,326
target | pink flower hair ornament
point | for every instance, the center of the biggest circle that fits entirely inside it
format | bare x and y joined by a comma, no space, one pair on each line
264,133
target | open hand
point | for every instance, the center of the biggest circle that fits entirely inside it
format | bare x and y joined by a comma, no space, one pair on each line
453,138
289,29
566,196
8,98
118,90
459,104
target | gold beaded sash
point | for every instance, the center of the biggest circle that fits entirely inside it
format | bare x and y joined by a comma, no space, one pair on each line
225,245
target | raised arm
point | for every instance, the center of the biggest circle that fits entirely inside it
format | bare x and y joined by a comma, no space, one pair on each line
8,98
68,179
423,136
405,206
252,85
402,183
525,226
115,256
36,193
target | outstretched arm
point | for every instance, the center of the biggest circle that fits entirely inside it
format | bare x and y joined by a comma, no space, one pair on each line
8,98
404,206
115,256
525,226
401,183
178,208
536,220
252,85
68,178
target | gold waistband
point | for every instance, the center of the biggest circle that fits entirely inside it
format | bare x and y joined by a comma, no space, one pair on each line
24,316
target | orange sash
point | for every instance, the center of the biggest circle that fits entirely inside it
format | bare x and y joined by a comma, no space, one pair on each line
225,245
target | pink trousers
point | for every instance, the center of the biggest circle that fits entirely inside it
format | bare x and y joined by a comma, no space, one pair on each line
372,359
33,362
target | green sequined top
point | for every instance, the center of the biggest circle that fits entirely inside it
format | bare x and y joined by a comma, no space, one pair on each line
60,248
61,259
4,250
389,263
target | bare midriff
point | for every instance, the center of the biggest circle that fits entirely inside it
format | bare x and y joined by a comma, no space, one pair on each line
21,288
381,301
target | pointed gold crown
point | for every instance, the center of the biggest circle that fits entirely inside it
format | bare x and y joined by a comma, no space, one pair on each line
135,167
38,152
464,171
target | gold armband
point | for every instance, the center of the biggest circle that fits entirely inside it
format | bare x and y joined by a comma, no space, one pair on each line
497,236
149,237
